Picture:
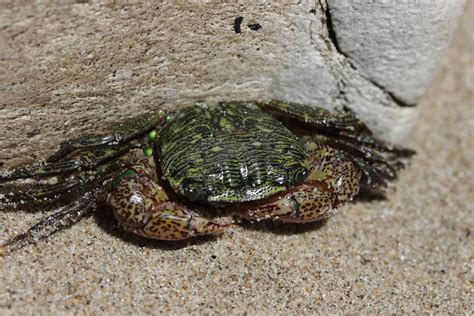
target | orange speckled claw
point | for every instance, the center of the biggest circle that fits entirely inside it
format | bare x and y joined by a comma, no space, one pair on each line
170,221
304,204
143,207
333,179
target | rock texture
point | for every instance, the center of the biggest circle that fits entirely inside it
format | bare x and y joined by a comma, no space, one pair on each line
397,45
69,69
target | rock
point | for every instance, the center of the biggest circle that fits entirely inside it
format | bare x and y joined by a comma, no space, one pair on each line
66,70
396,45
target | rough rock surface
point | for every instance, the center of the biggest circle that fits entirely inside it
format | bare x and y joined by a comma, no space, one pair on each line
396,45
67,69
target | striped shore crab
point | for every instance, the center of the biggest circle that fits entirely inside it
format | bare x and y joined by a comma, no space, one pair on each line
257,160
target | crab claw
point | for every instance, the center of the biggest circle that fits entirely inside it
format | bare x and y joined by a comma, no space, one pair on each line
304,204
143,207
333,179
170,221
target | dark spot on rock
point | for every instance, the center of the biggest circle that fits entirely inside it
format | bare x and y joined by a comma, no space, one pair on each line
213,256
237,23
32,133
312,11
254,27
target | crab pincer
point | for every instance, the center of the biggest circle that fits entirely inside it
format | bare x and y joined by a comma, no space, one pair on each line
143,207
332,179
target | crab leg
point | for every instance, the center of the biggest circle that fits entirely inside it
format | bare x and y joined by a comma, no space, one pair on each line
94,149
341,127
27,194
333,179
101,183
38,192
378,145
65,217
125,131
86,161
42,193
317,117
143,207
377,170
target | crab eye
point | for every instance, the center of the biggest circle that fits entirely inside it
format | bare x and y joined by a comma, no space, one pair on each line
193,190
147,151
152,135
300,175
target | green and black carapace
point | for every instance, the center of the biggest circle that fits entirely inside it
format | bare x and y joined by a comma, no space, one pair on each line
257,160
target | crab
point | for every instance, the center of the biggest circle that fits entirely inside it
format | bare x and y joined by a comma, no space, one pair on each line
257,160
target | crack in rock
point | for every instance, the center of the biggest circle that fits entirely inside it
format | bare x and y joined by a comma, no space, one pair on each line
328,22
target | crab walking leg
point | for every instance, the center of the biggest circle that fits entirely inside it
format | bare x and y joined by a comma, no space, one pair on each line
29,195
37,193
342,128
304,204
86,161
124,132
142,206
371,142
60,193
377,169
317,117
94,149
333,179
65,217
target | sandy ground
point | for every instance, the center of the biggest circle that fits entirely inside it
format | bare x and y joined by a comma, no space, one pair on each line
410,253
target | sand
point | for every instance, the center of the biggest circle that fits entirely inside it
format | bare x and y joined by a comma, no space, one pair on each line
410,253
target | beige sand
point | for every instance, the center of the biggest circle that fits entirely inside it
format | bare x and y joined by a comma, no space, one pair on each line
410,253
